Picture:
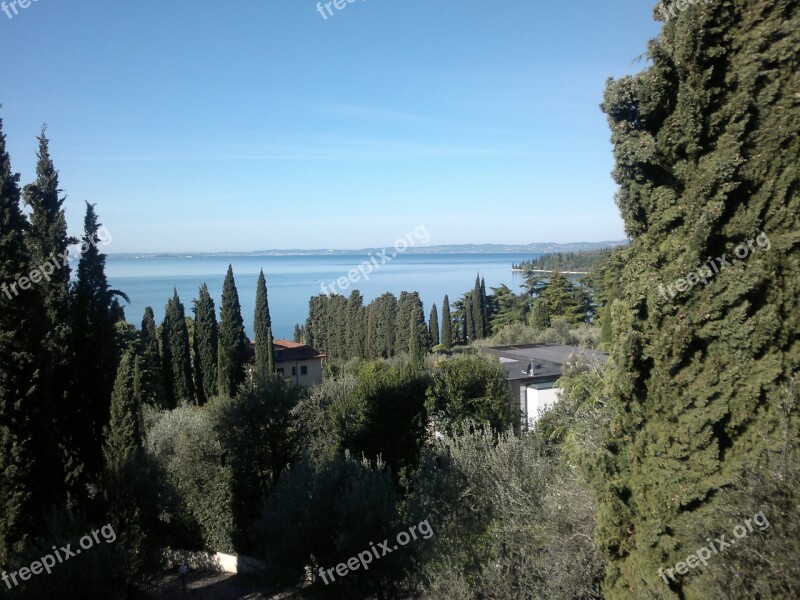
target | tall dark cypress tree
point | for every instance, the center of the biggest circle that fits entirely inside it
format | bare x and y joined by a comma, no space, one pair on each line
406,305
47,242
382,316
355,324
706,142
232,354
447,325
123,436
265,351
418,336
485,313
25,415
478,302
434,326
205,345
94,348
469,318
150,385
176,355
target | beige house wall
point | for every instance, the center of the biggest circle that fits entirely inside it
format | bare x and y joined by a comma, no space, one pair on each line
293,370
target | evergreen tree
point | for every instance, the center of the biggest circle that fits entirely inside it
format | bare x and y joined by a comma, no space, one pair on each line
381,319
485,313
265,352
47,241
706,146
94,349
176,355
232,354
205,345
478,310
447,325
150,385
47,244
299,334
408,303
418,336
563,299
539,317
433,327
123,436
356,325
24,414
505,308
468,311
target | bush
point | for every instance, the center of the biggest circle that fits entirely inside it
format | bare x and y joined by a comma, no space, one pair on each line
257,436
470,387
185,444
511,521
319,518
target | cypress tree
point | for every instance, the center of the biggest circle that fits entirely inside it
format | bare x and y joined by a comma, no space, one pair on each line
477,310
381,320
232,354
205,345
356,325
418,336
265,352
47,243
434,326
94,348
337,326
176,355
24,415
123,436
150,385
299,334
447,325
469,318
485,310
706,146
406,305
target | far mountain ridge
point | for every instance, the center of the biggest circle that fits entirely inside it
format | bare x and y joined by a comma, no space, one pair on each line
533,248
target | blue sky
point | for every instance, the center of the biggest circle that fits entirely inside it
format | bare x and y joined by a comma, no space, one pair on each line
257,124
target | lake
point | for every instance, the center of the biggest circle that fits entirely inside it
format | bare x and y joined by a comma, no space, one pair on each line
293,280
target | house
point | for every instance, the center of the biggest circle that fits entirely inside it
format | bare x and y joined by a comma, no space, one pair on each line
533,371
298,362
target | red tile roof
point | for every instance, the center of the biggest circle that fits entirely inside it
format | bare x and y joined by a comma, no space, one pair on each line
287,351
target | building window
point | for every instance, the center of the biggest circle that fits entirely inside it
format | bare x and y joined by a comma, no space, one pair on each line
294,371
304,370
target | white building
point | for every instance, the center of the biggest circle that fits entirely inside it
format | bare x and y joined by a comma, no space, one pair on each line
533,371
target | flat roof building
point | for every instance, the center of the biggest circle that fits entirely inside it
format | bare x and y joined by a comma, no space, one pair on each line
533,371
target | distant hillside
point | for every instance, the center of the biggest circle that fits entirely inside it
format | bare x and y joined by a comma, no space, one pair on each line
537,248
584,261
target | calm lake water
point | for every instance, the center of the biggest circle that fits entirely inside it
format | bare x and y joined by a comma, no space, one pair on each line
293,280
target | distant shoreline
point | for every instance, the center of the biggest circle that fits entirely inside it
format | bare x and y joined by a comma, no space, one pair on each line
537,248
549,271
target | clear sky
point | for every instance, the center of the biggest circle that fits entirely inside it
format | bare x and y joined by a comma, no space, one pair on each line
257,124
